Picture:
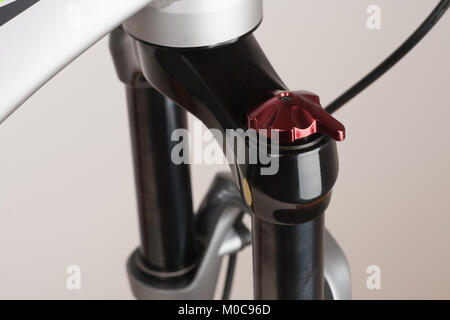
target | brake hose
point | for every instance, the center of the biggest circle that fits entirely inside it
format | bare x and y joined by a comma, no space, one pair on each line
390,61
229,277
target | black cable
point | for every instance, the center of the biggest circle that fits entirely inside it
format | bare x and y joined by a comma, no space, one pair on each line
396,56
229,277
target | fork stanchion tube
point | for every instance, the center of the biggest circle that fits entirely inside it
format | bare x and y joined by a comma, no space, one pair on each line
163,188
288,221
288,260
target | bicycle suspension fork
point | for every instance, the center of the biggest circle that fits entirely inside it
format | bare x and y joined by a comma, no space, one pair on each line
233,86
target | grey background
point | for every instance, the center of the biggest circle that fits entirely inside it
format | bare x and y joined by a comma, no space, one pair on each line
66,184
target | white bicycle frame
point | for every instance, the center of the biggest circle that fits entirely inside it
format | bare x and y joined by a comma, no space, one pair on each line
46,37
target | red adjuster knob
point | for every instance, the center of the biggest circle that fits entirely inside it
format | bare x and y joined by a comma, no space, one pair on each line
295,115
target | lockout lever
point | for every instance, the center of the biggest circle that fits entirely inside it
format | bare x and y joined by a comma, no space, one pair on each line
295,115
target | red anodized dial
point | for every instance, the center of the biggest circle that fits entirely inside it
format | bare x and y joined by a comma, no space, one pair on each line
295,115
